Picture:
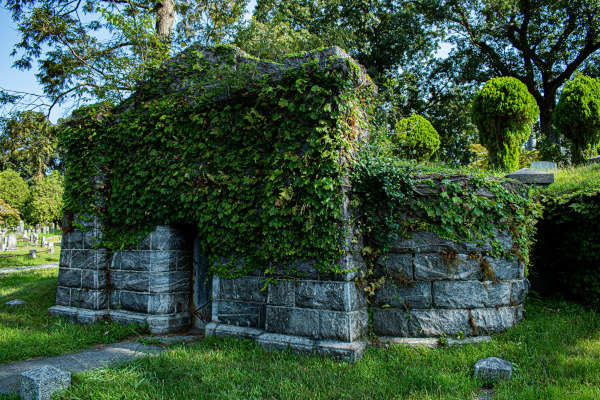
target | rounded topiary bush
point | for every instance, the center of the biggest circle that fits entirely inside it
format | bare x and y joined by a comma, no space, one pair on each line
577,115
415,137
503,112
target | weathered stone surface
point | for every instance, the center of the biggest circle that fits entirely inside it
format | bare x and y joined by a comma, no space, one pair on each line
470,294
63,296
543,165
504,269
130,280
83,259
73,240
292,321
88,299
130,301
168,303
12,243
244,288
50,248
396,265
241,313
423,242
41,383
69,277
492,320
343,326
519,290
92,279
15,302
339,296
281,293
132,260
184,260
432,267
493,368
390,322
532,176
430,323
432,342
414,295
170,282
165,238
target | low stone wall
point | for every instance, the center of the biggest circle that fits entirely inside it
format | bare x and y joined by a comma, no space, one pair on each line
146,285
434,286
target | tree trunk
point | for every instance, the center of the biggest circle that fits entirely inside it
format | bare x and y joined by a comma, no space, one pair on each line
165,17
546,113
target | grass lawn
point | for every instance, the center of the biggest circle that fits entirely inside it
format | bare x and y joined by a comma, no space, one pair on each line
21,257
28,331
555,352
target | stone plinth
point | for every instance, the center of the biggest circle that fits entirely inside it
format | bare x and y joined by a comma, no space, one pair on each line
532,177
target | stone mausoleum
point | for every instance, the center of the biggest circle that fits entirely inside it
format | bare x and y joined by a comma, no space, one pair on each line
434,286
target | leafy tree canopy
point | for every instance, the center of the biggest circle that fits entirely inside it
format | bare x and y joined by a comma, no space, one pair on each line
47,202
28,144
541,43
13,189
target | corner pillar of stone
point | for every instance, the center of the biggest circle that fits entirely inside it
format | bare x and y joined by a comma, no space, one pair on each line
146,285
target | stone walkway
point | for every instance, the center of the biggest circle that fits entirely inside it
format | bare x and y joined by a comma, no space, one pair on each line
27,268
96,357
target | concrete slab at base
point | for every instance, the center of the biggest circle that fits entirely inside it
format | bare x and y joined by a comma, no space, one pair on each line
158,324
348,351
432,342
79,315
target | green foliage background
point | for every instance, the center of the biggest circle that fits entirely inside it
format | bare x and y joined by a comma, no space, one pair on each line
13,189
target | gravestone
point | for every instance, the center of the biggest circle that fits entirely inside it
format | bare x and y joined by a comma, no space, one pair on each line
15,302
50,247
32,253
543,165
41,383
44,242
21,226
493,368
53,226
25,235
532,177
2,247
12,242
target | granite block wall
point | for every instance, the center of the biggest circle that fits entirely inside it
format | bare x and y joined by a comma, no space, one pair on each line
148,284
434,286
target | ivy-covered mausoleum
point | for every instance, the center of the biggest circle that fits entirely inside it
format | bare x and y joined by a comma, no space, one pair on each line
243,198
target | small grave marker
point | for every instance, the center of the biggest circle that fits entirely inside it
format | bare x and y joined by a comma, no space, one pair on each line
41,383
493,368
15,302
50,247
12,242
32,253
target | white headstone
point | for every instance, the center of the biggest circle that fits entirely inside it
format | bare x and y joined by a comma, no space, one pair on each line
25,235
12,242
50,247
44,242
543,165
32,253
21,226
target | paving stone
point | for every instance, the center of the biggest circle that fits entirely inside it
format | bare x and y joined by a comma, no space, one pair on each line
41,383
493,368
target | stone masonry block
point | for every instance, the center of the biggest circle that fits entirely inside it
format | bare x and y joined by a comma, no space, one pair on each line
431,323
504,269
519,290
69,277
94,279
89,299
341,325
73,240
165,238
130,280
41,383
63,296
390,322
240,313
243,289
185,260
91,238
292,321
338,296
415,295
65,258
168,303
170,282
281,293
82,259
470,294
130,301
133,260
396,265
492,320
433,267
163,261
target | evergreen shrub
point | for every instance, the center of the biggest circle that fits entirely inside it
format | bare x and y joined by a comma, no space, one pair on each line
503,112
415,138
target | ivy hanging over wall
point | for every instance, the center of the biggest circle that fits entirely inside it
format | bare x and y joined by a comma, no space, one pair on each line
256,155
263,159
